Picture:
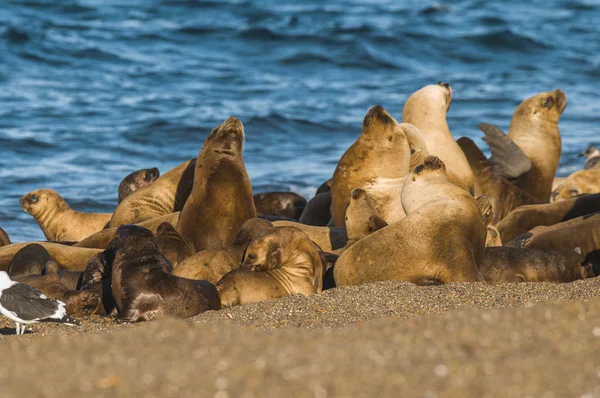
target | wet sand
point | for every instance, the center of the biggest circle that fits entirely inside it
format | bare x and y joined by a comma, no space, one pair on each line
383,339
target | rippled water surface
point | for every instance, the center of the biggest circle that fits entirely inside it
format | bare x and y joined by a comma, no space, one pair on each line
92,90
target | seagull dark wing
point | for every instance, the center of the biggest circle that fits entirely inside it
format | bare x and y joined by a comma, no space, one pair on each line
27,303
507,157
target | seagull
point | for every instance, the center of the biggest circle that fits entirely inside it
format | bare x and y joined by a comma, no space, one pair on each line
25,305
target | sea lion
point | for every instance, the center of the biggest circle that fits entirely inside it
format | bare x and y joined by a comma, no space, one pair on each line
211,265
101,239
221,199
328,239
70,279
164,196
289,205
280,262
4,239
69,257
377,162
171,244
441,239
30,260
426,109
525,218
580,182
57,220
504,195
143,286
317,211
529,154
137,180
362,218
509,264
592,157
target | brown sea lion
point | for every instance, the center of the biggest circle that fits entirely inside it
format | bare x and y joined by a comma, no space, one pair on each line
317,211
70,279
442,238
4,239
30,260
171,244
143,286
328,239
164,196
289,205
137,180
280,262
57,220
101,239
525,218
504,195
211,265
69,257
529,154
592,157
580,182
426,109
362,218
509,264
221,199
377,162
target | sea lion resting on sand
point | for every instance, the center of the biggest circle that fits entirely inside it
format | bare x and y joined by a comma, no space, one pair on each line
441,239
137,180
29,260
580,182
143,286
57,220
280,262
221,198
69,257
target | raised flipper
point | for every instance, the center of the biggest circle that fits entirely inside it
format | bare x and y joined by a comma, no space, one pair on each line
508,159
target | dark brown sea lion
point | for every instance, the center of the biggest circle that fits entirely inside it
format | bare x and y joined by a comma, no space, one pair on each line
580,182
164,196
509,264
143,286
4,239
289,205
362,218
172,245
325,187
317,211
525,218
427,109
221,199
57,220
377,162
211,265
280,262
137,180
30,260
529,154
69,257
442,238
592,157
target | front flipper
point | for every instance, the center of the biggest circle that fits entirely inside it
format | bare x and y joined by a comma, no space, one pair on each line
507,157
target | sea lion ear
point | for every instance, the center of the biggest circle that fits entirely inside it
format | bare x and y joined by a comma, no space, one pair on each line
274,259
51,267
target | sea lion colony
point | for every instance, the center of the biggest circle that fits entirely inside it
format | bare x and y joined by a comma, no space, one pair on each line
406,202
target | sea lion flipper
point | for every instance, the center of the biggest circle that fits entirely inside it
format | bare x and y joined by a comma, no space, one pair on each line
508,158
486,210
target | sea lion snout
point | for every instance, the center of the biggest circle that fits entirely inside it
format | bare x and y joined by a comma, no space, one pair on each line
561,99
377,112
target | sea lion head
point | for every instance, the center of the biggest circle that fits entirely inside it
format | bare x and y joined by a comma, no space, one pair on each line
137,180
578,183
29,260
431,100
544,106
431,164
227,139
380,124
250,229
272,248
133,242
83,302
39,201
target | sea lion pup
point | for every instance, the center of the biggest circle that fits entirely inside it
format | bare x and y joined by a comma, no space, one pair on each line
441,239
164,196
426,109
143,286
69,257
377,162
4,239
211,265
280,262
328,239
592,157
504,195
361,217
57,220
529,154
289,205
580,182
525,218
101,239
317,211
221,199
137,180
171,244
30,260
509,264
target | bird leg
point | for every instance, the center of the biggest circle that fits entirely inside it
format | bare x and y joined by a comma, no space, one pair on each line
18,328
23,328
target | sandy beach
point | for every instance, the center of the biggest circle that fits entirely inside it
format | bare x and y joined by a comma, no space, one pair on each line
382,339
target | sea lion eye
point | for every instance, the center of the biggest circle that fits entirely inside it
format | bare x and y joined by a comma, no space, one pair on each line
34,199
574,192
548,102
251,256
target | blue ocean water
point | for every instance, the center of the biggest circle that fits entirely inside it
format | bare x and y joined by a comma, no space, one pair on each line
91,90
